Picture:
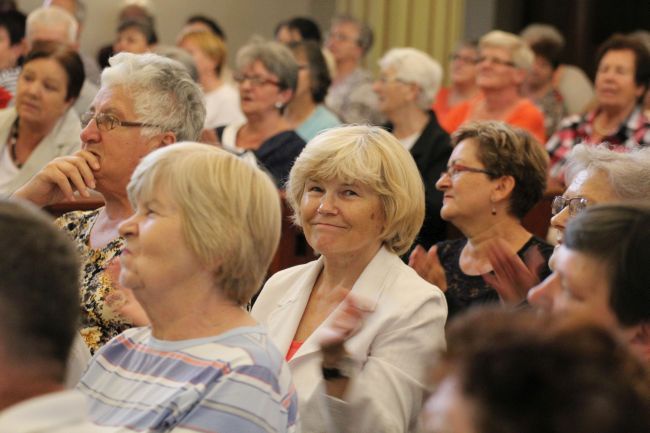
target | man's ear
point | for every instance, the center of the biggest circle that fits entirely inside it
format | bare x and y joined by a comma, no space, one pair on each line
163,139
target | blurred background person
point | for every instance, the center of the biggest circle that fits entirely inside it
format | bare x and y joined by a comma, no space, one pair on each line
350,96
221,98
42,125
12,48
58,25
618,119
575,376
39,310
358,326
408,81
462,76
298,29
573,84
197,23
602,271
135,36
539,86
306,112
503,63
494,176
204,364
267,75
146,101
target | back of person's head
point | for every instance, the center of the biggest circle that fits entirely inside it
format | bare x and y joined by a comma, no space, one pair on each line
14,23
537,32
548,50
524,373
208,23
508,151
67,58
306,27
319,75
366,36
620,42
627,173
618,236
39,291
414,66
163,93
230,210
522,56
51,23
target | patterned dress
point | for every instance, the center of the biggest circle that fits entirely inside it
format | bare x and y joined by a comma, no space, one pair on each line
99,321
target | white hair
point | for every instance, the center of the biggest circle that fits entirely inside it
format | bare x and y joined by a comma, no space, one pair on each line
417,67
522,56
52,16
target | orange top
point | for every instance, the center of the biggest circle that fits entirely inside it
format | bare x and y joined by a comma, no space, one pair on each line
293,348
524,115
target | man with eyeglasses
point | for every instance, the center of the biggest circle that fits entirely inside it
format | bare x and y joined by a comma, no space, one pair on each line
351,96
146,101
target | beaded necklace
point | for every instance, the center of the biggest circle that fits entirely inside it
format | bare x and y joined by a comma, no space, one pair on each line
12,140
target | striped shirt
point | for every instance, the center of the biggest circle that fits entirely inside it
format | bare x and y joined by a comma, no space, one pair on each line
233,382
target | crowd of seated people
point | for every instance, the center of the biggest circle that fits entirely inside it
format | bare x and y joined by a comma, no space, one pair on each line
167,318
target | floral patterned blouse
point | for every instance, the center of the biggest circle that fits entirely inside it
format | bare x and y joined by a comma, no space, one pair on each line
99,323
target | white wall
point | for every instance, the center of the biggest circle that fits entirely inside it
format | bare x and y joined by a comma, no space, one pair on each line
239,18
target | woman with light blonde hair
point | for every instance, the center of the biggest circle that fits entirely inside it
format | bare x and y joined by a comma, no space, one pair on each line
359,199
221,98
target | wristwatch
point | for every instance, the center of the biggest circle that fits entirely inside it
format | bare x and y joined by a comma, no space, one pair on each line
345,368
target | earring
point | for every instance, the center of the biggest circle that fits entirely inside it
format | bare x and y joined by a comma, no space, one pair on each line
279,105
494,210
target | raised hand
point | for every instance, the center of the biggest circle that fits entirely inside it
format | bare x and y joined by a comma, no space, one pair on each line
427,265
61,178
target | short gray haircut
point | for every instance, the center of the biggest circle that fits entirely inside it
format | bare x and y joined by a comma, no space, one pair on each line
163,93
366,36
417,67
537,32
52,17
275,57
179,55
522,55
628,173
230,210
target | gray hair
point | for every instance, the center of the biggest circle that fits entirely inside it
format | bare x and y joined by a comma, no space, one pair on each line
275,57
366,36
522,55
163,93
52,17
417,67
180,55
628,173
537,32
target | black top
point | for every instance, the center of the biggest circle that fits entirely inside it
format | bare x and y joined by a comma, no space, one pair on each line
277,154
464,291
431,152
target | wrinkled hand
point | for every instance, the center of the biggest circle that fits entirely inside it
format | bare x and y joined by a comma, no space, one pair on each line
121,300
61,178
427,265
513,277
347,320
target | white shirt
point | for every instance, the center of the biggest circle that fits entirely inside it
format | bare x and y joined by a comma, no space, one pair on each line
222,107
8,171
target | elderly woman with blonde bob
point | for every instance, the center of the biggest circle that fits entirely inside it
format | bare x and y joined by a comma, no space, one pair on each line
494,176
408,81
357,325
205,228
503,63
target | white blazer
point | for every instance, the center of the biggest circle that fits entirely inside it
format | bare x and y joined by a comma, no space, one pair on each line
393,349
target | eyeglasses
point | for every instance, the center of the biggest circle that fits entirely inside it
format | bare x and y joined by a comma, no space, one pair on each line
383,79
108,122
576,205
254,80
464,59
455,168
339,37
496,61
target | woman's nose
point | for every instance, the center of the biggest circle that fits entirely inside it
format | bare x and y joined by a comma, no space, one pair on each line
129,226
327,204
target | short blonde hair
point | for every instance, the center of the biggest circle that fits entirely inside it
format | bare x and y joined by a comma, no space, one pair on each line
522,56
230,210
373,157
211,45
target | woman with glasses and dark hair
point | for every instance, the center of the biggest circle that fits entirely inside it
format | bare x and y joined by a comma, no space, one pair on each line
267,74
494,176
146,101
41,126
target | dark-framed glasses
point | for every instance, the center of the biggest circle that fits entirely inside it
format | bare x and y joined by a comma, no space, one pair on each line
254,80
496,61
455,168
108,122
576,205
465,59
